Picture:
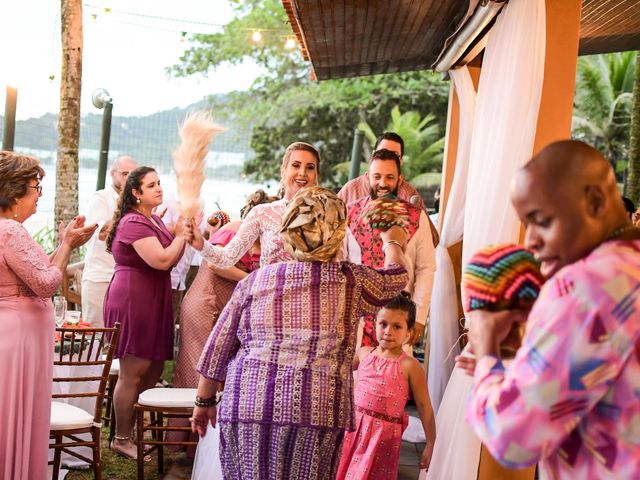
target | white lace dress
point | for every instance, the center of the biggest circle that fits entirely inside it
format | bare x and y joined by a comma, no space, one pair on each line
263,222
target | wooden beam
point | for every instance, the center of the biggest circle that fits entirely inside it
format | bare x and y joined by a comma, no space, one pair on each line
561,58
560,62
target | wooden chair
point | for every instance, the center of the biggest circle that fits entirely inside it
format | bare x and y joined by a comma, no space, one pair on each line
72,285
109,417
161,403
78,348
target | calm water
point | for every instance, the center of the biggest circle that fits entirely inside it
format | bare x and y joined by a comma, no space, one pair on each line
225,194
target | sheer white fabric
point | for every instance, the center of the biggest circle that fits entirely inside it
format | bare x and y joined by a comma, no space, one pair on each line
206,465
457,450
263,222
505,122
444,304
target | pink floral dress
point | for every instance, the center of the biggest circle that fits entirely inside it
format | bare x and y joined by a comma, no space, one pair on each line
372,451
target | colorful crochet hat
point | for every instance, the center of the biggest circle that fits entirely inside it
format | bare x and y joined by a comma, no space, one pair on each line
218,217
386,211
498,276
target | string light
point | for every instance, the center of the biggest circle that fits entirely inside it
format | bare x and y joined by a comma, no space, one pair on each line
257,34
290,43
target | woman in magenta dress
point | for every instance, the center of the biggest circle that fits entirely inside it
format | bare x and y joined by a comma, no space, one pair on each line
139,295
28,278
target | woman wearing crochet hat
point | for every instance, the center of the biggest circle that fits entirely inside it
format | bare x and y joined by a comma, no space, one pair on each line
497,277
283,348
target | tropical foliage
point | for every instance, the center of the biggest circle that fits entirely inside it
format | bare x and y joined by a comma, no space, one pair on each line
602,112
285,105
633,180
423,141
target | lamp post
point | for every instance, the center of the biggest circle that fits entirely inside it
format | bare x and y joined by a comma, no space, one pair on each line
10,118
356,153
102,99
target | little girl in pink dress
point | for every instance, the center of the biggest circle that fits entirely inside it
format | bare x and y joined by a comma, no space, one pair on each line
386,375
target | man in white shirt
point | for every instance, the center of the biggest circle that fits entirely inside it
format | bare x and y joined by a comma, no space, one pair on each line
364,247
98,263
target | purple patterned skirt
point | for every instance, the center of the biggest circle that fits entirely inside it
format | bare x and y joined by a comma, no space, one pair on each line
257,451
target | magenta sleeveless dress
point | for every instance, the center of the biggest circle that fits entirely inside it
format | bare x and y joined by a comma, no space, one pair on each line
139,296
372,451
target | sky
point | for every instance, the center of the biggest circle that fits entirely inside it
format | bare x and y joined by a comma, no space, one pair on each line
126,51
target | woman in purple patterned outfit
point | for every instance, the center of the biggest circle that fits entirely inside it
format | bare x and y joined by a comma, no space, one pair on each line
284,344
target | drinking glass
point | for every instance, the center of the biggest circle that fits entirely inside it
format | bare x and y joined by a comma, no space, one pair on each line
60,309
73,317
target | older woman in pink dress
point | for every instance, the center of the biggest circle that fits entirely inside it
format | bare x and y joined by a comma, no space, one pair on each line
27,279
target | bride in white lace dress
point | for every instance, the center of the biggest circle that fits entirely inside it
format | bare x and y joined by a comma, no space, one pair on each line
299,169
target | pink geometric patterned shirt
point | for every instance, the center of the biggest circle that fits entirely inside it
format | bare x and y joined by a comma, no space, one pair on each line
571,398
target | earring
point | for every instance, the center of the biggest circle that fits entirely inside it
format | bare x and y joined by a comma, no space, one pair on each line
138,200
15,215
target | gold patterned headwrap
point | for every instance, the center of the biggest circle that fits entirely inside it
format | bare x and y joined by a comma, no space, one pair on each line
314,225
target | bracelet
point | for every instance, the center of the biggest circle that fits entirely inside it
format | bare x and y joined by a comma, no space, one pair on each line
391,242
208,402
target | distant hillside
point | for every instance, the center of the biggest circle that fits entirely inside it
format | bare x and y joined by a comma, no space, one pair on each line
150,139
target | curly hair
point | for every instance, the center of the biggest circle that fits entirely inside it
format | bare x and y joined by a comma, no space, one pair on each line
256,198
404,303
127,200
15,172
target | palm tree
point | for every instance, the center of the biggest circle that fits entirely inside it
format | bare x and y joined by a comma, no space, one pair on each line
603,103
66,206
633,181
423,142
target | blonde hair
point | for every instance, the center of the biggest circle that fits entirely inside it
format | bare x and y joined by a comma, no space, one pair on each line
294,147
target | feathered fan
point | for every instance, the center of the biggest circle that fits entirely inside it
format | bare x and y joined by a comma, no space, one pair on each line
196,133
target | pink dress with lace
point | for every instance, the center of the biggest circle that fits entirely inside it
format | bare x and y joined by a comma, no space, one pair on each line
372,451
263,222
27,280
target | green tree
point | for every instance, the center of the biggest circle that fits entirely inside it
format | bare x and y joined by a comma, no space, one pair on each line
326,114
423,141
285,105
633,181
602,104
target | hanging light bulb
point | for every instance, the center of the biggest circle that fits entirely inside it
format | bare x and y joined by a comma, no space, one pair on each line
290,43
256,36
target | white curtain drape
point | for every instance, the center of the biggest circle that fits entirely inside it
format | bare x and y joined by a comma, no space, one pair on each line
505,122
504,129
444,305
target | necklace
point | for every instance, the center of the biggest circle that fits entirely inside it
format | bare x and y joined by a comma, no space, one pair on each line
620,230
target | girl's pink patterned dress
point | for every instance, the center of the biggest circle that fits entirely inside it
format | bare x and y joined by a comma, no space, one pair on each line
372,451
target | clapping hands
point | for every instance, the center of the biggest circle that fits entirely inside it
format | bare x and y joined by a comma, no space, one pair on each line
76,233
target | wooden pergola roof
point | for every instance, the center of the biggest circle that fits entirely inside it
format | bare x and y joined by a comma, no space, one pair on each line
348,38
